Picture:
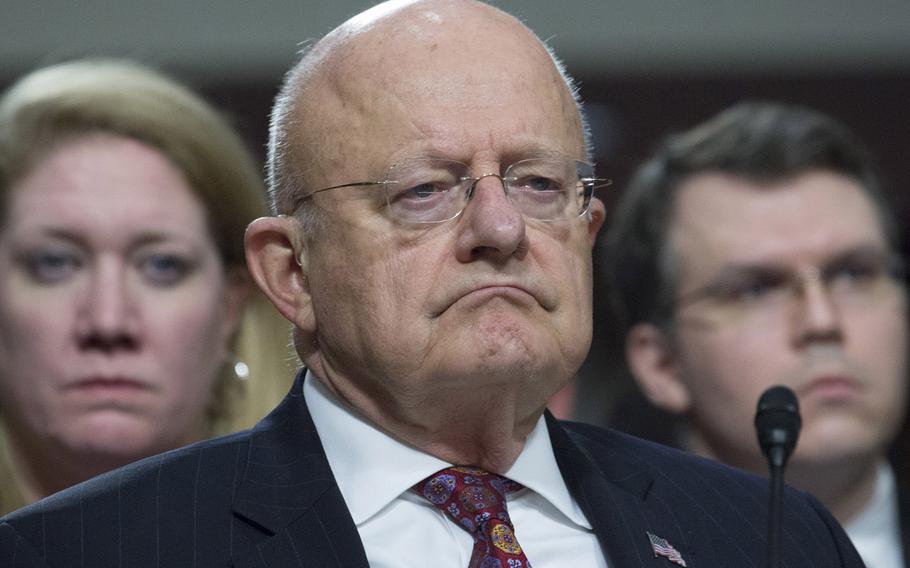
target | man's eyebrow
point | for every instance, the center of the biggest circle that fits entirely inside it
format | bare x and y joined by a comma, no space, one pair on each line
509,155
534,150
858,253
731,275
738,270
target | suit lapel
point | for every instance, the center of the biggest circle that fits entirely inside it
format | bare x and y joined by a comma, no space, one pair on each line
289,493
615,494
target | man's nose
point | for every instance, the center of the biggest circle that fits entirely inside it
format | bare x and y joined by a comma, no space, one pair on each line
493,227
819,317
108,311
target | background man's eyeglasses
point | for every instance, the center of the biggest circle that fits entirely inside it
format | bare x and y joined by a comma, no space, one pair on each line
859,279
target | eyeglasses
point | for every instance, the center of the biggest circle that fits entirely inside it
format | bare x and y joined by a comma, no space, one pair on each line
433,190
861,279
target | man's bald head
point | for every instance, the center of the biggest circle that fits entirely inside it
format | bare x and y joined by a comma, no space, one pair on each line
409,317
350,94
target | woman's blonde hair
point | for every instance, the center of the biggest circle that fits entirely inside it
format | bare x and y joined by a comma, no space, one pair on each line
61,102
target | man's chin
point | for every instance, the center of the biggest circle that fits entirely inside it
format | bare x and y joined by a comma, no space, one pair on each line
500,369
849,449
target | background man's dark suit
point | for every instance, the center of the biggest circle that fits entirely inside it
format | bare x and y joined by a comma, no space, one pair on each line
268,498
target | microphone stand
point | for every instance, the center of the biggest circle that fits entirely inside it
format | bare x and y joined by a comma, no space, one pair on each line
776,459
777,423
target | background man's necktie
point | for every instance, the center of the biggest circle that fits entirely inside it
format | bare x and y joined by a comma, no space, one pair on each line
476,500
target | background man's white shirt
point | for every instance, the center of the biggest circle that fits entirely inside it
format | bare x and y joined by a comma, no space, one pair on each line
400,529
875,532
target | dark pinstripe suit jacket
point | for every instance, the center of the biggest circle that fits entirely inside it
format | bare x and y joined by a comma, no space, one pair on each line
268,498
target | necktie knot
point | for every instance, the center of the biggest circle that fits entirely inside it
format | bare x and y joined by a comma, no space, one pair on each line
476,500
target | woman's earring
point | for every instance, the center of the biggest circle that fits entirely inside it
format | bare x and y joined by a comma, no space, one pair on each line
240,368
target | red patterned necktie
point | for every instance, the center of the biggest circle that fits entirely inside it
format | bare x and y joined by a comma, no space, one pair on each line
476,500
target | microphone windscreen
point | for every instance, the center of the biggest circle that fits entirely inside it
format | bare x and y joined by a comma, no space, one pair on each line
777,420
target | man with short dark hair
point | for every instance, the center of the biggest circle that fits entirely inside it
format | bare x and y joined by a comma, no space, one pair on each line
432,247
757,249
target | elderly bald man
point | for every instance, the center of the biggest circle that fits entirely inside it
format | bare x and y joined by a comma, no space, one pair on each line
432,247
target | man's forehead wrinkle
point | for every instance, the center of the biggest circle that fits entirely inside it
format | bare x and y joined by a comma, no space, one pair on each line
344,117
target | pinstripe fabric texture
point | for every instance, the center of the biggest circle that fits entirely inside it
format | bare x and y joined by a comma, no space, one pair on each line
267,498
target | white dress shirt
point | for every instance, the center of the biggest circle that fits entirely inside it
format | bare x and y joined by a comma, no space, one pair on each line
875,532
401,529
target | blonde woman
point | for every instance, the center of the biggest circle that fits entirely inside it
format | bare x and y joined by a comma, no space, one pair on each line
124,296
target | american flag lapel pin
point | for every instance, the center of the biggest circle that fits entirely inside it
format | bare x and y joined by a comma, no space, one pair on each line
663,548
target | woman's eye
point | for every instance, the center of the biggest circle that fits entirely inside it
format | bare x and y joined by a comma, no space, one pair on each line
50,267
164,269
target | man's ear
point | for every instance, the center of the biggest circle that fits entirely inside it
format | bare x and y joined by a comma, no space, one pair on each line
276,260
596,215
655,367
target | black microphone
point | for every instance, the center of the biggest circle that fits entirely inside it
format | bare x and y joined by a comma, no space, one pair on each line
777,423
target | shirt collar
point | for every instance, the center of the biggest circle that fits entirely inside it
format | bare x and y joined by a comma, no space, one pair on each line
372,469
537,470
876,528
